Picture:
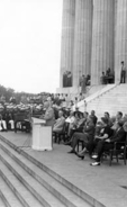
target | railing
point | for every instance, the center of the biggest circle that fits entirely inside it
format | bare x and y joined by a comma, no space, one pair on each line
97,94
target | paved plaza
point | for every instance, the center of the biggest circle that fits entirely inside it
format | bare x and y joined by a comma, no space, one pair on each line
104,183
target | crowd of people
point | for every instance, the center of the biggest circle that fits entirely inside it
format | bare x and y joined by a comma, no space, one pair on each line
68,126
97,136
11,113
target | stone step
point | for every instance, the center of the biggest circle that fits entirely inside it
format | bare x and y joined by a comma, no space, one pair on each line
106,100
9,199
17,185
106,105
111,100
33,187
86,197
66,196
111,96
3,200
2,203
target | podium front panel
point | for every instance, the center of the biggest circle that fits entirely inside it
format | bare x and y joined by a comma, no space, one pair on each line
41,137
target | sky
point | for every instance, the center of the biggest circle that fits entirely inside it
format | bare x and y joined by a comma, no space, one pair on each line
30,44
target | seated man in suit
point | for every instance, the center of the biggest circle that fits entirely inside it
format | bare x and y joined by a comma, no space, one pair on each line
94,117
58,126
108,143
119,117
98,128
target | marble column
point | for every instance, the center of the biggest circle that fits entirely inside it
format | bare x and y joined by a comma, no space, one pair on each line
102,38
83,40
121,38
67,44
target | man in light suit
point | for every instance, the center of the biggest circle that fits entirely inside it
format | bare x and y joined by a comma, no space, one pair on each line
49,113
58,127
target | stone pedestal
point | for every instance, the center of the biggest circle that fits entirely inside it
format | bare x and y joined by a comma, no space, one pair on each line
83,39
67,37
121,38
102,38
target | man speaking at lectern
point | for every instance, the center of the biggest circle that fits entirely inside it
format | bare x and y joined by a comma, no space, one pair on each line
42,129
49,113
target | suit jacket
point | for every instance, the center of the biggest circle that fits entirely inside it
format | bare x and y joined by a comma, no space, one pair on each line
94,119
119,136
59,123
89,129
49,117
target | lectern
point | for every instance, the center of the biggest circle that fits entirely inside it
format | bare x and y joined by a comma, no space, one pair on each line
41,135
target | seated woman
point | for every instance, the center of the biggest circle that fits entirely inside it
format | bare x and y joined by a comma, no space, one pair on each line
104,133
86,136
78,127
59,124
70,119
73,124
80,124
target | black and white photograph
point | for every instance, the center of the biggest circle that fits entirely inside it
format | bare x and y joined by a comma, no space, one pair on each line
63,103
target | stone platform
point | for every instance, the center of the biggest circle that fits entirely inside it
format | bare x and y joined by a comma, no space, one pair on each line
104,185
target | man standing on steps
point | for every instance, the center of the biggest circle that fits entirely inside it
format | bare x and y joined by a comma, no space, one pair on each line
123,73
83,84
